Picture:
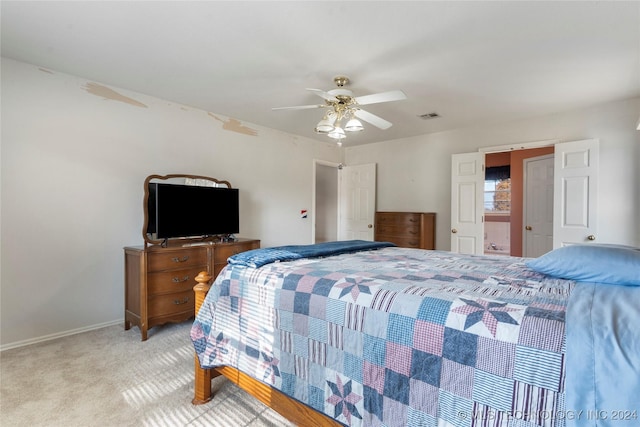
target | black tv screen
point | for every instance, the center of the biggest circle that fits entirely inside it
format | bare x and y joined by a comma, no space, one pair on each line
190,211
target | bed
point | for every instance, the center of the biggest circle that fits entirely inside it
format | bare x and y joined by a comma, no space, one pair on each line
367,334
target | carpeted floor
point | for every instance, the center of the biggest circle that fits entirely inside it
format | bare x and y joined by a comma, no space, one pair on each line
108,377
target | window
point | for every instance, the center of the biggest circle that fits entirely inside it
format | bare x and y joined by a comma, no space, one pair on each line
497,195
497,190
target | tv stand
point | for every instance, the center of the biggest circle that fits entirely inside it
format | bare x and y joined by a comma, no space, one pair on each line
159,279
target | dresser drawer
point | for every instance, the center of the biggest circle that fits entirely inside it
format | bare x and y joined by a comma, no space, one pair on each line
163,282
164,305
183,258
403,242
392,218
399,230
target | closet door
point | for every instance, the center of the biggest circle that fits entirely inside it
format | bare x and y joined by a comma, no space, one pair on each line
538,206
357,202
575,192
467,203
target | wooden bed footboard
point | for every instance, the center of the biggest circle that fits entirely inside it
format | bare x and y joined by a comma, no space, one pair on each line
202,392
290,408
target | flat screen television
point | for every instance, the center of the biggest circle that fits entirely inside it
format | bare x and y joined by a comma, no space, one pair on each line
192,211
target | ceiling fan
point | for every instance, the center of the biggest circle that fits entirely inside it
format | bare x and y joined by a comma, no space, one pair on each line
341,105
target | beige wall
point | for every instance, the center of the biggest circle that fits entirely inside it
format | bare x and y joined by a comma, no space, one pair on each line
74,158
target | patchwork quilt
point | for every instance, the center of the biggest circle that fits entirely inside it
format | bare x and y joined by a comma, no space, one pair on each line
396,336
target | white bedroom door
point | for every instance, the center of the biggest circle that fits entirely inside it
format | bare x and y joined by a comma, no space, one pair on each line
357,202
538,206
576,192
467,203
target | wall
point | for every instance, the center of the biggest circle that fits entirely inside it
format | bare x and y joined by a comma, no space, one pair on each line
497,159
421,166
74,157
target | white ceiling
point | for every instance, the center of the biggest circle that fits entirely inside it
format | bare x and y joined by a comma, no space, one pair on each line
471,62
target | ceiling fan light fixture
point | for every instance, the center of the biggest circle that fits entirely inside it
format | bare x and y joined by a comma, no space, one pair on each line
326,125
337,133
323,127
353,125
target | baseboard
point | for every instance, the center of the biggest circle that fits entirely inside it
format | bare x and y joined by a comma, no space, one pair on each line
60,335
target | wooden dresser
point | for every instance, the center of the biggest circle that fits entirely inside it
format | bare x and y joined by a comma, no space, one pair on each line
406,229
159,281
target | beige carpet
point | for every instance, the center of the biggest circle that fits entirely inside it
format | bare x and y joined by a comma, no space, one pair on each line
108,377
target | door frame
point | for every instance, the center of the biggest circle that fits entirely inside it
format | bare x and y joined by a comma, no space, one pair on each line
317,162
507,148
519,146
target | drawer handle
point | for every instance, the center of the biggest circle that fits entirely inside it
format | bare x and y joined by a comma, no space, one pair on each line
181,301
412,220
179,280
183,259
412,232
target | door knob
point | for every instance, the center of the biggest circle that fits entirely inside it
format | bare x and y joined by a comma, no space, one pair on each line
454,231
370,226
591,237
528,228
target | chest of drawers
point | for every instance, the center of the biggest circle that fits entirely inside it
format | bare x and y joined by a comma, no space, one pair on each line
406,229
159,281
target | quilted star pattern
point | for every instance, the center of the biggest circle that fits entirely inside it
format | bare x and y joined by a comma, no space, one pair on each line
487,312
354,286
486,317
344,400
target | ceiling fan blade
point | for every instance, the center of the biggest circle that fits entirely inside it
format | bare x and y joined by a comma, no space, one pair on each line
378,122
323,94
394,95
300,107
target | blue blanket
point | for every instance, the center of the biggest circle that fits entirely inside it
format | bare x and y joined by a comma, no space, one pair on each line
259,257
603,342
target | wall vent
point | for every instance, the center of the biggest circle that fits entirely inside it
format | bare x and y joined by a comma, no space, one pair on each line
429,116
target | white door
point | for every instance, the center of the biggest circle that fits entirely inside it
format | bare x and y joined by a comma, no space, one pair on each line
538,206
467,203
576,192
357,202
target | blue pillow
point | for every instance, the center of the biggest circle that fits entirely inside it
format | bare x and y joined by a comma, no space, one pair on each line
610,264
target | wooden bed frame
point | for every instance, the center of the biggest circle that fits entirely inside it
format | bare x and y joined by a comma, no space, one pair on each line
290,408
